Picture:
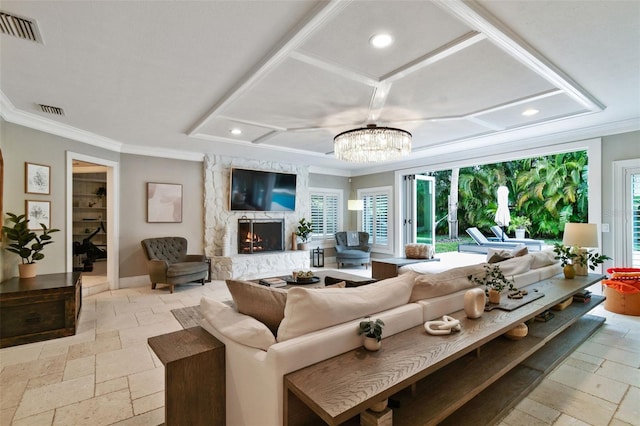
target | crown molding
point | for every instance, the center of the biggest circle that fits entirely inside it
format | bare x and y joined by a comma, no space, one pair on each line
173,154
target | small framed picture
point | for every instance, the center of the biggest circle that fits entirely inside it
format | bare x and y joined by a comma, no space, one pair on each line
37,179
164,202
38,212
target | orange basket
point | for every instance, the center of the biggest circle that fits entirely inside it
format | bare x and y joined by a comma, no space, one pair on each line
622,291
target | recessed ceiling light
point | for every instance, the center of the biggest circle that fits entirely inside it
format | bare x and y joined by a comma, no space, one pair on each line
235,131
380,41
530,112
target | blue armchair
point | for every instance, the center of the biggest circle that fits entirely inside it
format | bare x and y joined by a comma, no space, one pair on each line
353,248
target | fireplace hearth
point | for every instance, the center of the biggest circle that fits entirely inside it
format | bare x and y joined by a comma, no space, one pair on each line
260,235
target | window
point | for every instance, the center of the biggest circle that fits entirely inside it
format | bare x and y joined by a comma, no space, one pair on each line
326,213
376,217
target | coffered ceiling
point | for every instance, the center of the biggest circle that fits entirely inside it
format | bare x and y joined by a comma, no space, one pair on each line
174,78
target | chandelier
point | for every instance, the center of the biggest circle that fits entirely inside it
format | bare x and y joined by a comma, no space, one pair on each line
372,144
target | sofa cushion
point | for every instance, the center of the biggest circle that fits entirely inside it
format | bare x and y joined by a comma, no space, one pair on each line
516,266
433,285
266,304
543,258
240,328
311,309
185,268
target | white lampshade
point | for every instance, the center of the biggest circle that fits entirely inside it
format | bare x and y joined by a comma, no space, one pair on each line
580,235
355,205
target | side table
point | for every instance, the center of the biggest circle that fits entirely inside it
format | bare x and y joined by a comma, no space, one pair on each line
195,385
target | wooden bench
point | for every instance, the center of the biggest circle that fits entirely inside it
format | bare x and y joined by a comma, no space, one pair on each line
437,378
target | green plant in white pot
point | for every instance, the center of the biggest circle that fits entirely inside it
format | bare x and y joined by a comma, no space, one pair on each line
520,224
26,243
304,230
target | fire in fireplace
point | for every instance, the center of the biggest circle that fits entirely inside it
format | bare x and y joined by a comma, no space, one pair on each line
260,235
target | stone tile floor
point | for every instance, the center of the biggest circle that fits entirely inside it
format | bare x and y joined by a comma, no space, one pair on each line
107,374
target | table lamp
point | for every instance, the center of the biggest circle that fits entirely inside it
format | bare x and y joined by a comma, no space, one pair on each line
580,236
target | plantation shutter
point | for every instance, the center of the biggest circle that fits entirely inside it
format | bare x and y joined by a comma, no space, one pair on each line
325,215
376,217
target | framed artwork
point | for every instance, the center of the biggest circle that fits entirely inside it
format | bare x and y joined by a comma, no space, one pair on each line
37,178
38,212
164,202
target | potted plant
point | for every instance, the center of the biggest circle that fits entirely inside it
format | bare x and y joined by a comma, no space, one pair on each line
372,330
566,257
521,225
304,231
26,243
494,282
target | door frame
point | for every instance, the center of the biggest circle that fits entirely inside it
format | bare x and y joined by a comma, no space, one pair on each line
622,245
113,219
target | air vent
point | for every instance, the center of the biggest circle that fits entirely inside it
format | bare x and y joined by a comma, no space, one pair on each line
51,109
19,27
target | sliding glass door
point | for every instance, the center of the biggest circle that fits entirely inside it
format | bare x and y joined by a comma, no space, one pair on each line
419,209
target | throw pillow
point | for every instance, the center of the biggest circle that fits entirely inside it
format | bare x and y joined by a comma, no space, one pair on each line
500,255
516,266
427,286
311,309
266,304
543,258
240,328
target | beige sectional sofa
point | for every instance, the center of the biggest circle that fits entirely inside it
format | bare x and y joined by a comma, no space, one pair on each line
318,324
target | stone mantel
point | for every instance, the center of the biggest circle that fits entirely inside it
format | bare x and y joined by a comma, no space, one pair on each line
259,265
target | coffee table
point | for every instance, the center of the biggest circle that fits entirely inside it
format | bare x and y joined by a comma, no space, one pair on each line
388,268
322,275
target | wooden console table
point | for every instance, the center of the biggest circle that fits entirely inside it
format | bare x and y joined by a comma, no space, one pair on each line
388,268
470,377
40,308
194,376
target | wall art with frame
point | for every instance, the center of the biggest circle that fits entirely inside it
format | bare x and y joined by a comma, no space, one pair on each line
38,212
164,202
37,178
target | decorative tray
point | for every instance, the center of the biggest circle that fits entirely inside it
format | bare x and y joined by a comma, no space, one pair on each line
299,281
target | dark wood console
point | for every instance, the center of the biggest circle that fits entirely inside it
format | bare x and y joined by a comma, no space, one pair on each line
39,308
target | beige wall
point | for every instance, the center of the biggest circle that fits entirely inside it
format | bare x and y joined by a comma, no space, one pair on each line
21,144
135,172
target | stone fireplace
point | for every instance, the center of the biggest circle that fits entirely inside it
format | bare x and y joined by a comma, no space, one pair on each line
260,235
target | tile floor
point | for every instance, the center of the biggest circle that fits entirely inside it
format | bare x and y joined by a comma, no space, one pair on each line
106,374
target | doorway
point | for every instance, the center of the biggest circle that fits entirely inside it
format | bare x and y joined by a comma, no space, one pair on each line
419,209
92,222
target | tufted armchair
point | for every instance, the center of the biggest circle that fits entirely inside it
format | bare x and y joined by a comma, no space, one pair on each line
352,248
169,263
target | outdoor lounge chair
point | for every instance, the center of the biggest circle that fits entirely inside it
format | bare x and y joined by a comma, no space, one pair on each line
482,244
533,245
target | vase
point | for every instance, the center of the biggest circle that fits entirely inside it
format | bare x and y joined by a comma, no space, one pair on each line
581,269
569,272
303,246
474,301
372,344
494,296
27,270
520,234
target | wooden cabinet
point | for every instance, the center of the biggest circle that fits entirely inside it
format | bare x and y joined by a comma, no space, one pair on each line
40,308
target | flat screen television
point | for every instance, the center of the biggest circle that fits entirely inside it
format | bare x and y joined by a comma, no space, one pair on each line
258,190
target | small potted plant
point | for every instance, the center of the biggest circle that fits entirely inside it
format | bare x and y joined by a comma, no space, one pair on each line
494,282
372,330
304,230
26,243
566,256
521,225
